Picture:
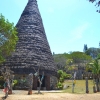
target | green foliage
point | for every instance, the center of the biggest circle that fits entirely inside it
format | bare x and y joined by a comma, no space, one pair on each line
1,82
15,82
69,61
71,68
60,61
96,67
1,78
61,76
23,80
59,73
60,85
64,61
94,52
89,67
98,57
68,76
61,79
8,38
79,57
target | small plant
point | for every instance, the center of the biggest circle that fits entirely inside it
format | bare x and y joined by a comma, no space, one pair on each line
15,82
61,79
59,85
68,76
1,78
61,76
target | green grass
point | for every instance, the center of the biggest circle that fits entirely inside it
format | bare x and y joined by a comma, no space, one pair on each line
80,86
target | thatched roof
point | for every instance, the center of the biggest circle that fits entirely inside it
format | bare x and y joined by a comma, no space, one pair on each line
32,50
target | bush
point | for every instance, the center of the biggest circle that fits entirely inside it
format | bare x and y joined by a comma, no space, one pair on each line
1,82
68,76
15,82
61,76
60,85
1,86
61,79
1,78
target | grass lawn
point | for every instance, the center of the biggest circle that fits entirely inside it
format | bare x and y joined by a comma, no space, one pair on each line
80,86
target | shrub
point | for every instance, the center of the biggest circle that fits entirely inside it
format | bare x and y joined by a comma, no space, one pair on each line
60,85
68,76
1,78
15,82
61,76
61,79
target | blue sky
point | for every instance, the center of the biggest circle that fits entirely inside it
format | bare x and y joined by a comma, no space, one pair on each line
69,24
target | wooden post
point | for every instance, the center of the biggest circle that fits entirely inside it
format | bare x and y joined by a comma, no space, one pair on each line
87,90
35,83
30,83
72,88
47,82
73,82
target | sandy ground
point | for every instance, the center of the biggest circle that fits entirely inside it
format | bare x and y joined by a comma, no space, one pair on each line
22,95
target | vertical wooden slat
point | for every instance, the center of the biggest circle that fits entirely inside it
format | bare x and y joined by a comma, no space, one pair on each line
35,83
47,82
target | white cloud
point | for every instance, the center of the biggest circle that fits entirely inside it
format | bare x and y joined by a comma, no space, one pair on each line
78,32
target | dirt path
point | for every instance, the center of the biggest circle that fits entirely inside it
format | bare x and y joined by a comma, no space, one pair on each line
52,96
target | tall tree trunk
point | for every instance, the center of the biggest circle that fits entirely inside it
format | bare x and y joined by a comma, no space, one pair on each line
94,87
97,83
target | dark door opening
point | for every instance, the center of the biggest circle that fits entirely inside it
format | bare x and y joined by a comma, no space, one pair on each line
43,82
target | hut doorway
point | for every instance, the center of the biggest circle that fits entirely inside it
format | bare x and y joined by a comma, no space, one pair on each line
43,82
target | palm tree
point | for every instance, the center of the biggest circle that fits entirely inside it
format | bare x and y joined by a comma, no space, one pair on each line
96,73
94,67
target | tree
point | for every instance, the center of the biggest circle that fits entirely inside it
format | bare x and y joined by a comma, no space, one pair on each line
95,68
97,4
79,57
74,59
85,47
60,61
8,38
98,57
96,72
93,52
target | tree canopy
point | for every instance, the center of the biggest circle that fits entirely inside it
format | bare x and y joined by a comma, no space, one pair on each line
64,61
8,38
97,4
93,52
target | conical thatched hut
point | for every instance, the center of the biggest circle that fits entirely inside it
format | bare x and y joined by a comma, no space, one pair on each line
32,50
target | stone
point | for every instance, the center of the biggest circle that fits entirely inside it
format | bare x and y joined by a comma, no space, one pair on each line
65,86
